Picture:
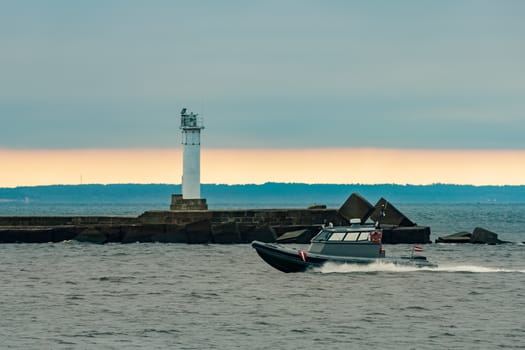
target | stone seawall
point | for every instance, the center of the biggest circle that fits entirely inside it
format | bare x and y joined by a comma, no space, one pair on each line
65,220
213,226
173,226
274,217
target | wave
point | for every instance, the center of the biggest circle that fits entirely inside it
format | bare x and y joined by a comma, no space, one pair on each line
475,269
393,268
6,200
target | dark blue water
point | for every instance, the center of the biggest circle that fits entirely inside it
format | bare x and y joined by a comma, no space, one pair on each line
155,296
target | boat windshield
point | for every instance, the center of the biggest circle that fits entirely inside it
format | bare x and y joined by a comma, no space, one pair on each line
337,236
344,235
322,236
351,236
364,236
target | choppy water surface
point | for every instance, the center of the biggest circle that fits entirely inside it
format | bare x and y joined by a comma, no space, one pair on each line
154,296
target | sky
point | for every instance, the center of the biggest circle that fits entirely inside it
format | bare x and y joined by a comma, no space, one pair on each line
402,87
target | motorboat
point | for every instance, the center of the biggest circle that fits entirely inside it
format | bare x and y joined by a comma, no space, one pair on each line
354,244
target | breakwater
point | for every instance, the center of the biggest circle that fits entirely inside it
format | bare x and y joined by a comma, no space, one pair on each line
173,226
212,226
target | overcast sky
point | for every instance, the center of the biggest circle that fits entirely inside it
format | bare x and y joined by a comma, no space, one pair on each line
264,74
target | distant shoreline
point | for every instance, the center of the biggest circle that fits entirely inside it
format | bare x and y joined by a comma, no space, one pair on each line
265,193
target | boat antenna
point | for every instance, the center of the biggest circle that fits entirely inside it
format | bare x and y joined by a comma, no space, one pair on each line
382,213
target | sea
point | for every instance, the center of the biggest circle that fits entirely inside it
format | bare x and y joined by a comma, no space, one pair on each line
73,295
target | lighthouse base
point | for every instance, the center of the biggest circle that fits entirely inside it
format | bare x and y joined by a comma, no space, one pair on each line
179,203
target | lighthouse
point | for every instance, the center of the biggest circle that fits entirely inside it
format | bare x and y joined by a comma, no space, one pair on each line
191,126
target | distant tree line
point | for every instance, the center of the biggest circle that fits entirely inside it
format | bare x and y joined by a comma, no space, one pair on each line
285,193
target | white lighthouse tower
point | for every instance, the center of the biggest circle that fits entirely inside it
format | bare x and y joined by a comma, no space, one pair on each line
191,126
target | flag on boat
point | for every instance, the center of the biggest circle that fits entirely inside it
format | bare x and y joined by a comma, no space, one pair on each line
303,255
418,249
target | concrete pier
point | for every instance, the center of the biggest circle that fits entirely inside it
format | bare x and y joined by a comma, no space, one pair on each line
169,226
210,226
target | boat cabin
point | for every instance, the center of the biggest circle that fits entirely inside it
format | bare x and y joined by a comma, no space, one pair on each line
356,240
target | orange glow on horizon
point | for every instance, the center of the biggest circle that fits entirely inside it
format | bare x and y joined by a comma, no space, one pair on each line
255,166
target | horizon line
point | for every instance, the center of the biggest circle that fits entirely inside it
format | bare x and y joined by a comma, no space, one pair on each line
261,184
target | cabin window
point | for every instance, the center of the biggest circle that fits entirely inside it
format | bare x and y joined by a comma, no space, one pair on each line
363,236
351,236
323,236
337,236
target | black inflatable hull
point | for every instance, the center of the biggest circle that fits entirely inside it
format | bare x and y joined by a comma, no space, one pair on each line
292,260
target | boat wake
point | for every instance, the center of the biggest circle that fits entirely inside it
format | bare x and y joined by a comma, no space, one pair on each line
393,268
